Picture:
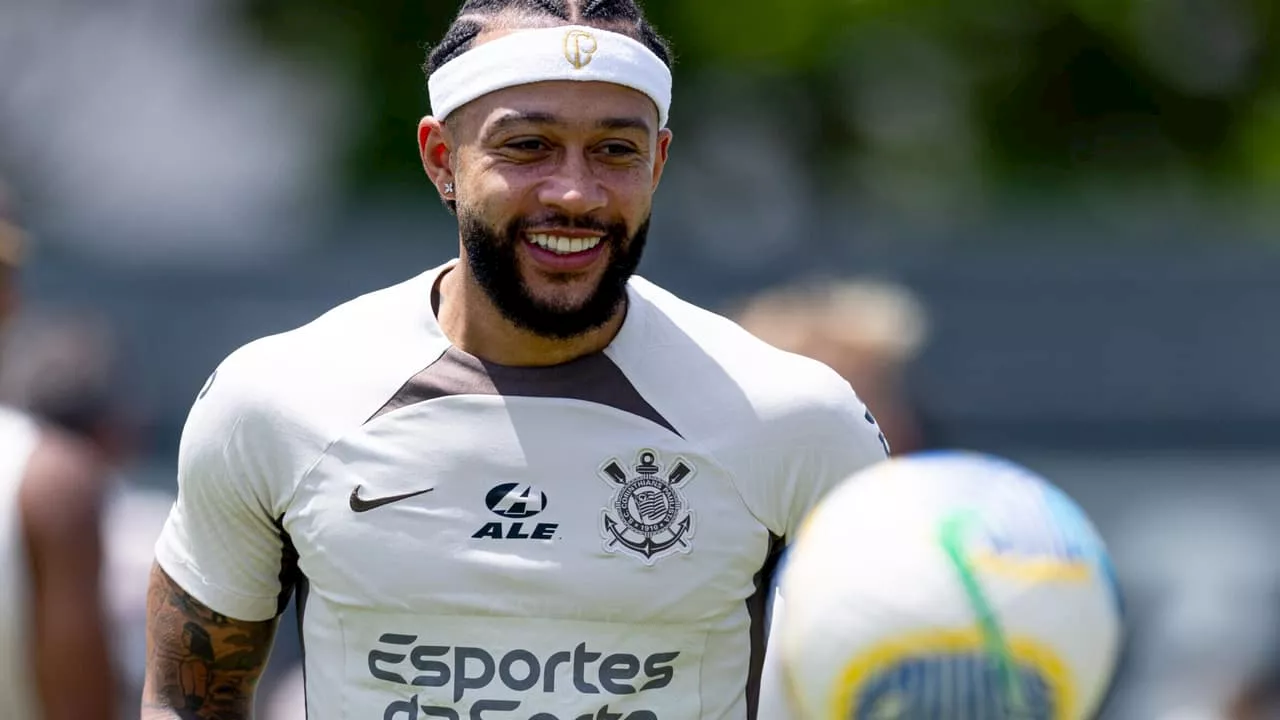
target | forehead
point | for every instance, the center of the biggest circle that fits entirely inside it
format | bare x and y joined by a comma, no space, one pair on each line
574,104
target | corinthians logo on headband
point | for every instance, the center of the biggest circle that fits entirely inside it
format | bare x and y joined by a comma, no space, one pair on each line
572,52
579,46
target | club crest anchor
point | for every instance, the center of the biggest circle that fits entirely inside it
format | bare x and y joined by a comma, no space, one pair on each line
649,517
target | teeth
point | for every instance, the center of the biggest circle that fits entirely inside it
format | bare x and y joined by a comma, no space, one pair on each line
563,245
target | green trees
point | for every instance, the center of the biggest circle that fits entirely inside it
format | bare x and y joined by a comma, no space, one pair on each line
1010,95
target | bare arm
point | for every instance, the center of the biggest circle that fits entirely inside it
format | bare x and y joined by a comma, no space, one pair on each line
61,503
200,664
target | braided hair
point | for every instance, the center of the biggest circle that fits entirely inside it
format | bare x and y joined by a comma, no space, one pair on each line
477,16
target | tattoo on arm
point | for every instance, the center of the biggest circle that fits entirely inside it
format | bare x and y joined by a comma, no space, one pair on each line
201,665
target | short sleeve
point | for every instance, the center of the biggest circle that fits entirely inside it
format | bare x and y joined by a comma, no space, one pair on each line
223,541
834,437
844,440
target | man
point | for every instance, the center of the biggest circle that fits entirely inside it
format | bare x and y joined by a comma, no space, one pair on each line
523,484
54,654
63,369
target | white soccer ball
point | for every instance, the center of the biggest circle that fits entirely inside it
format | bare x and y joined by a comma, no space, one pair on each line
948,586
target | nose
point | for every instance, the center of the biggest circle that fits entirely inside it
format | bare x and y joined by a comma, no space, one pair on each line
573,188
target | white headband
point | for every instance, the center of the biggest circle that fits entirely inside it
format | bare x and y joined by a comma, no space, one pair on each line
569,52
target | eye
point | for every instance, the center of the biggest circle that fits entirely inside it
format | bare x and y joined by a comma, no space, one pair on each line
618,149
527,145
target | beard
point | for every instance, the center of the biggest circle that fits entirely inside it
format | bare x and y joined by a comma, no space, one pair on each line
492,257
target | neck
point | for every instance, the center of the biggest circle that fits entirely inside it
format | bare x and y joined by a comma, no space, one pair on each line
474,325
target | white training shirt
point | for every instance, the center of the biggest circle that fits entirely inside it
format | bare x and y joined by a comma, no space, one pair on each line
19,437
573,542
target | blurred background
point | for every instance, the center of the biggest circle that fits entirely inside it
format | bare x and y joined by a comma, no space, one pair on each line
1048,229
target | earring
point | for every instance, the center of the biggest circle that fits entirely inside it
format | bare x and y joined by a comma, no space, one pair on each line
448,188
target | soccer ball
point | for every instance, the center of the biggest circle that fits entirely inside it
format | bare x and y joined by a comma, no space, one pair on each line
948,586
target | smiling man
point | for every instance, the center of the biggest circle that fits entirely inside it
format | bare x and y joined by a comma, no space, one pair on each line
524,484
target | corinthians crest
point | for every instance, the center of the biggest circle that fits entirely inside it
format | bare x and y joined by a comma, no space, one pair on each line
648,517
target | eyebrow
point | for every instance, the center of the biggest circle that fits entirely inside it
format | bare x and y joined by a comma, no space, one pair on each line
515,119
624,123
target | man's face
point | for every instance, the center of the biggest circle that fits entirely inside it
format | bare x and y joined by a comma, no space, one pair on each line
554,183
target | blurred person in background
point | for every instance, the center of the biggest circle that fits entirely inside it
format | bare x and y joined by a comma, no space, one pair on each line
62,367
55,648
64,370
868,330
522,480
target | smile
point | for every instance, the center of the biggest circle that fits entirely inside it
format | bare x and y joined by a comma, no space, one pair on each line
561,245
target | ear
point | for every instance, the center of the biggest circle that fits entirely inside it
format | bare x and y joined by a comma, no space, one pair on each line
436,148
660,156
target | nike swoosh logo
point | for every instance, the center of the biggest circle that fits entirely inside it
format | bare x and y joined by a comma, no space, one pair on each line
361,505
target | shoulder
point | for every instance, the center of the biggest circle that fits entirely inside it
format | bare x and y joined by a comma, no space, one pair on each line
786,427
314,381
774,389
251,385
63,489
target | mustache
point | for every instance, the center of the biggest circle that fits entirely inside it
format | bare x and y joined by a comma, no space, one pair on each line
569,222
